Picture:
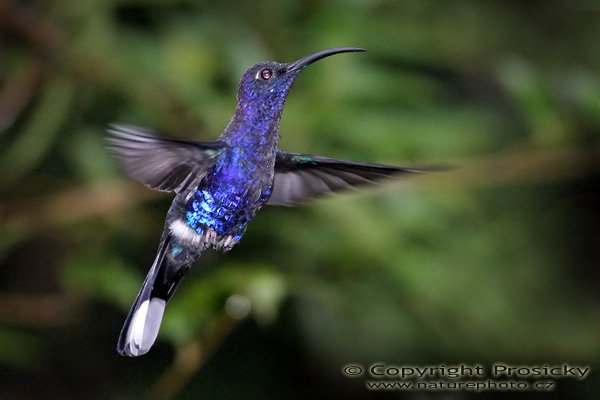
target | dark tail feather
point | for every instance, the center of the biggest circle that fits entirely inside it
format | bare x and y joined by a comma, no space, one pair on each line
143,321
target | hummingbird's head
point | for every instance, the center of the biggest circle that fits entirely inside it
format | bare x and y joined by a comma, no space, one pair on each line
265,86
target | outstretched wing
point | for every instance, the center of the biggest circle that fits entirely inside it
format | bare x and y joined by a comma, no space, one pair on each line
302,177
165,164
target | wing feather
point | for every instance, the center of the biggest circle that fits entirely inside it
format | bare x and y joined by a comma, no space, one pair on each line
161,163
302,177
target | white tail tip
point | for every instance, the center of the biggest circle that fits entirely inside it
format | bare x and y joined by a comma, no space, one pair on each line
144,326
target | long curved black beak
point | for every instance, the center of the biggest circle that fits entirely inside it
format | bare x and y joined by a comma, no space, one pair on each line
306,61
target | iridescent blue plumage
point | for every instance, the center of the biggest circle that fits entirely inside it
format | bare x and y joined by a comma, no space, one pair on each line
221,185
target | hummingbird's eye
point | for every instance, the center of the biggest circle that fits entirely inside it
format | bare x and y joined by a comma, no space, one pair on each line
266,74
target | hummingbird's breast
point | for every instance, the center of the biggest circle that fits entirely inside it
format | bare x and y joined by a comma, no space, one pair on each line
217,212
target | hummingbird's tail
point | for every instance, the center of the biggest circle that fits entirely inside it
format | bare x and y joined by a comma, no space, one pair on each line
143,321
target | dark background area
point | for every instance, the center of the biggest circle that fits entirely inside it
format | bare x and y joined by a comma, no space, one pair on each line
494,261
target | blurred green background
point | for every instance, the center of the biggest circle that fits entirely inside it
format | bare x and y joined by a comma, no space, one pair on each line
496,260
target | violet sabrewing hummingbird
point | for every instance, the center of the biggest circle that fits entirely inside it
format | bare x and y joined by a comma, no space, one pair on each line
220,186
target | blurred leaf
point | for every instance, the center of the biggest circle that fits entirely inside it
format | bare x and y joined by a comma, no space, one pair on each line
40,133
106,277
20,350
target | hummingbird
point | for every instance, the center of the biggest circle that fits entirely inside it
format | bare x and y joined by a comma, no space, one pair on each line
219,186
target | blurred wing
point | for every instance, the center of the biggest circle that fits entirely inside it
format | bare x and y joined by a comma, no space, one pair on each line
161,163
302,177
